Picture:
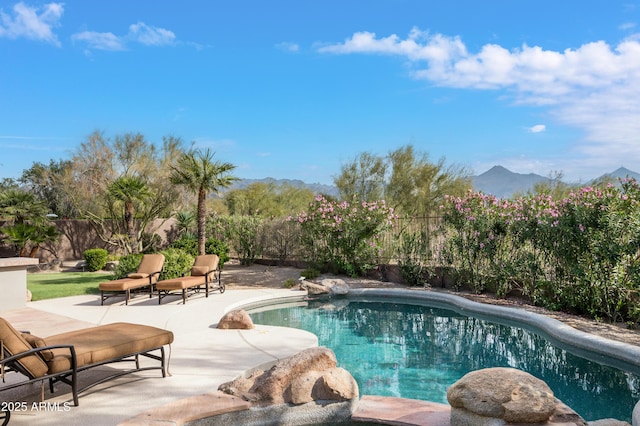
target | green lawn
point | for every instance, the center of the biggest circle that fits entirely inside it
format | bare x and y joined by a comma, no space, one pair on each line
51,285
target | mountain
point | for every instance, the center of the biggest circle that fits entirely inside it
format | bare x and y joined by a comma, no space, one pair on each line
504,183
620,173
498,181
317,188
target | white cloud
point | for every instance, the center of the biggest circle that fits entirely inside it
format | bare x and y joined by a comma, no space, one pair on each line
35,23
594,88
140,33
288,47
627,26
151,36
99,41
538,128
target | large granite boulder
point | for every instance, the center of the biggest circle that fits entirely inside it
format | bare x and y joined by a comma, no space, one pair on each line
310,375
238,319
507,394
330,286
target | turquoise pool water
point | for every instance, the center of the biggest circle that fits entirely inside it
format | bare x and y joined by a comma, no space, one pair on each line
395,349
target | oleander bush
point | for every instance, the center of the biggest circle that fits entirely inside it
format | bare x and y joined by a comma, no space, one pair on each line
344,237
578,254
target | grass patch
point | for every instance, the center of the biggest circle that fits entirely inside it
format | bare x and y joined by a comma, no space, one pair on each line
62,284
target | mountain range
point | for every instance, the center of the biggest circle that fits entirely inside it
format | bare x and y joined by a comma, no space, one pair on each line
504,183
497,181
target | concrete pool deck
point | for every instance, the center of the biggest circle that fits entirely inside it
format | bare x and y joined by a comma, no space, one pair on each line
203,357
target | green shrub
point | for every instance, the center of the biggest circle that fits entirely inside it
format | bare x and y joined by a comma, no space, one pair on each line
95,259
127,264
176,263
187,244
310,273
290,282
215,246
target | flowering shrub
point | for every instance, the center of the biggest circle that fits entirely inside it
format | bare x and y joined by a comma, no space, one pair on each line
578,254
343,237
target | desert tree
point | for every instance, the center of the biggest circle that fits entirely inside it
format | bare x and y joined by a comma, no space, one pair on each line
417,186
362,178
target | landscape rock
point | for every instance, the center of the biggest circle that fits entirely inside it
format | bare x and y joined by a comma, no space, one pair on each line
502,393
336,286
310,375
330,286
313,289
237,319
111,265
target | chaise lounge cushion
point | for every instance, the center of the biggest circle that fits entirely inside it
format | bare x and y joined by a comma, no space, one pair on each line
124,284
37,342
106,342
199,270
149,267
14,343
137,275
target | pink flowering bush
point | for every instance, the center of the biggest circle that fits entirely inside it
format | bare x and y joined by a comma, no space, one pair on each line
343,237
578,254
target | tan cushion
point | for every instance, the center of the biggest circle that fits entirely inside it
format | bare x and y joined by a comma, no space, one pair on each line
209,260
199,270
124,284
151,263
180,283
37,342
14,343
137,275
106,342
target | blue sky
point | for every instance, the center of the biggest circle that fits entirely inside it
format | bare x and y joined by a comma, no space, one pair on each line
294,89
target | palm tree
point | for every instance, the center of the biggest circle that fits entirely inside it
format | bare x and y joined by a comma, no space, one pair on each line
128,190
197,171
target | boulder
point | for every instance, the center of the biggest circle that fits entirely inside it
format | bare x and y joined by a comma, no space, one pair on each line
310,375
337,287
506,394
238,319
330,286
313,289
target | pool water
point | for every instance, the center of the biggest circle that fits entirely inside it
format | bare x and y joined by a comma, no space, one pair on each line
408,351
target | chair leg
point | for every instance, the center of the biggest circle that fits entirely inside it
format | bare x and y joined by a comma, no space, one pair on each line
184,296
128,295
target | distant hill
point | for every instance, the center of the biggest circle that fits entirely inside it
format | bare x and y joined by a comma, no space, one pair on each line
504,183
317,188
498,181
620,173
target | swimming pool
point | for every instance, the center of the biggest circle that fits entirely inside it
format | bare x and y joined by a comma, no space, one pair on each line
418,351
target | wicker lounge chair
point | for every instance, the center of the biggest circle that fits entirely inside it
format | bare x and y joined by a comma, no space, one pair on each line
146,276
205,272
61,357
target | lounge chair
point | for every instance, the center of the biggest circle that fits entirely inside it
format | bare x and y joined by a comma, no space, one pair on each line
61,357
205,271
146,276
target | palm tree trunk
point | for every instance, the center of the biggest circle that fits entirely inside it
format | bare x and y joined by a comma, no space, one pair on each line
202,220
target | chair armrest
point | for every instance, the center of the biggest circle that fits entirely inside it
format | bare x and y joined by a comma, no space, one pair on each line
8,362
72,351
